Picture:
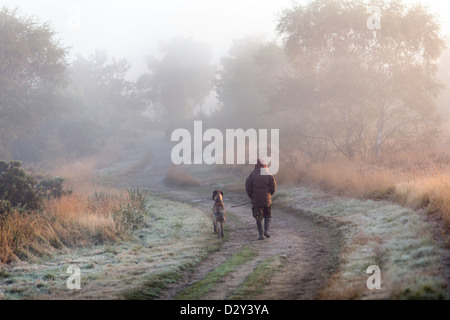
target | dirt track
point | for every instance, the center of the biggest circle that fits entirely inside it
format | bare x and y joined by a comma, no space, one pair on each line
308,250
306,246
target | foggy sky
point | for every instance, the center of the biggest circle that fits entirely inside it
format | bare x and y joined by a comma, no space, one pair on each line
133,29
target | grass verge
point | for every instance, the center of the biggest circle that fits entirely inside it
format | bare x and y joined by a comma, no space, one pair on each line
173,239
395,238
418,182
80,219
180,238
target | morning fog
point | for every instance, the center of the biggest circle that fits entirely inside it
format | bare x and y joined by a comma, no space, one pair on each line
238,145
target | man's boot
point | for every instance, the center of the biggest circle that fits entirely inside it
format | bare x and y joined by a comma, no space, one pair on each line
266,227
260,230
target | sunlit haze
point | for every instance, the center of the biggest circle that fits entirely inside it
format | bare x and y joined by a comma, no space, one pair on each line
224,150
133,29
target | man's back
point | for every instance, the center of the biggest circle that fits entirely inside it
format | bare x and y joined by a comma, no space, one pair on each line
260,187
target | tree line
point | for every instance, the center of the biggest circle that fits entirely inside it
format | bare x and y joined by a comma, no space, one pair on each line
329,83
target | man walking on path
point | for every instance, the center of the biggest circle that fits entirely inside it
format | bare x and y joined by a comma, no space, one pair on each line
260,188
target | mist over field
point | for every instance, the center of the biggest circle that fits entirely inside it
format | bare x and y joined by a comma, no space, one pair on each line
113,135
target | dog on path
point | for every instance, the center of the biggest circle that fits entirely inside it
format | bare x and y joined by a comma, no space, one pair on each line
218,213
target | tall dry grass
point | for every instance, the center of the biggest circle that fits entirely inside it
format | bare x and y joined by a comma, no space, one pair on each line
419,182
431,193
90,215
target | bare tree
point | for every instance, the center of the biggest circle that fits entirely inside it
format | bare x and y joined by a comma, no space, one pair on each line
372,91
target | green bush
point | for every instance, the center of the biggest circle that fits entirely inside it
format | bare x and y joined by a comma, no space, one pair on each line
51,187
18,187
21,191
5,207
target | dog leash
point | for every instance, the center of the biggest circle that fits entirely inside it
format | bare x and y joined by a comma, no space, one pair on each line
240,205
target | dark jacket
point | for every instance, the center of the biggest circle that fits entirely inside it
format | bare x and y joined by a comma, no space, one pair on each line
260,188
